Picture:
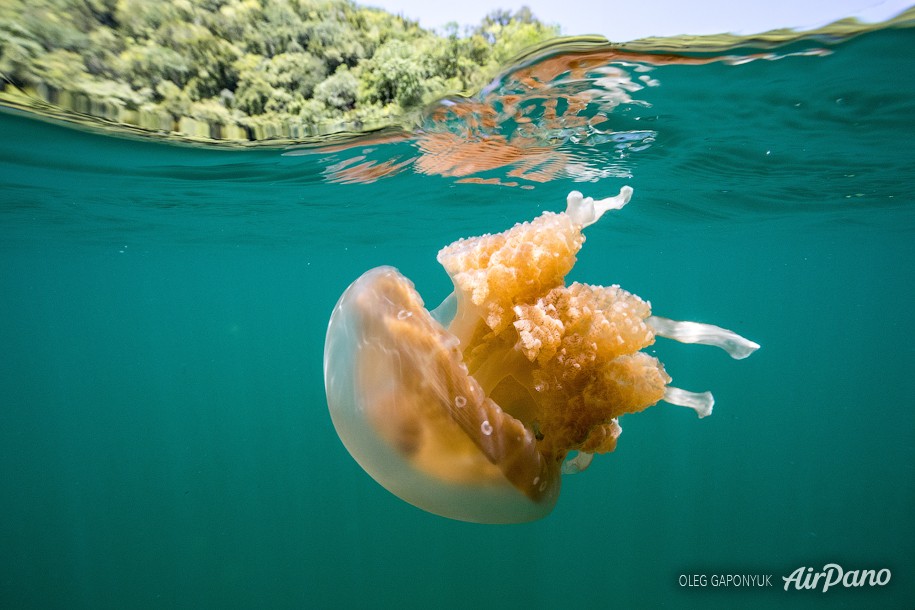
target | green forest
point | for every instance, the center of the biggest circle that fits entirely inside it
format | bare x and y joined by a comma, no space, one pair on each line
247,69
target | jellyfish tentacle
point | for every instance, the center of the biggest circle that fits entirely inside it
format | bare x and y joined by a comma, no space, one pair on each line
577,464
444,313
585,211
736,346
700,402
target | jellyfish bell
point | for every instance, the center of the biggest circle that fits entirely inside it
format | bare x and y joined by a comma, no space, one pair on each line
474,411
405,407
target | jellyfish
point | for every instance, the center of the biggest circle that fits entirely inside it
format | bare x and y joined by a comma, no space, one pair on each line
476,409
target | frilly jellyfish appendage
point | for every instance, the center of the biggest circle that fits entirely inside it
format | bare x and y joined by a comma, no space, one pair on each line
475,410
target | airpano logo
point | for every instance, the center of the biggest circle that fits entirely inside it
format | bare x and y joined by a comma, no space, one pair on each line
834,575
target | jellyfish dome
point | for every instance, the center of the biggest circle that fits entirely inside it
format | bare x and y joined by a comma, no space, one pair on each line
474,410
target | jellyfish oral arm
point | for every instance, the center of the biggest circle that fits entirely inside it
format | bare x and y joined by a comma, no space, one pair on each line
577,464
585,211
706,334
444,313
700,402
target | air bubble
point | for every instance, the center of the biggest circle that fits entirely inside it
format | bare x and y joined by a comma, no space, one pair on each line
486,427
460,402
403,314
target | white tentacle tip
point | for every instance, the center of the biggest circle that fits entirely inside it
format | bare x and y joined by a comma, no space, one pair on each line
577,464
585,211
701,402
707,334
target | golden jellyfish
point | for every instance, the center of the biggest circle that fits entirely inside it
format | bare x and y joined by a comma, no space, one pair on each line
474,410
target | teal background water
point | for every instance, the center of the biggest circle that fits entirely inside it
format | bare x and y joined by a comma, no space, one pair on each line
164,436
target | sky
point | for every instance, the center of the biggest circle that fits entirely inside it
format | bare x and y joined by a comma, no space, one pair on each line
622,20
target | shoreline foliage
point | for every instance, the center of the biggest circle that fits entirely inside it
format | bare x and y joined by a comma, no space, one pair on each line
244,64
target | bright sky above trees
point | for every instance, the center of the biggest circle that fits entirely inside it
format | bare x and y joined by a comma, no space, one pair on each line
621,20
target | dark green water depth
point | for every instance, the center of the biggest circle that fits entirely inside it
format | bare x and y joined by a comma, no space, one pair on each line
164,435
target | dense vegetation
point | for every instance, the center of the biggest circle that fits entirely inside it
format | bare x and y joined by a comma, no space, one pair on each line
247,62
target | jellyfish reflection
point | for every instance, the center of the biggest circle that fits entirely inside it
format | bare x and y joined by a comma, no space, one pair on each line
473,411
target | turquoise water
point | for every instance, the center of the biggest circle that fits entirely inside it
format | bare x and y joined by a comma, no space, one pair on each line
164,435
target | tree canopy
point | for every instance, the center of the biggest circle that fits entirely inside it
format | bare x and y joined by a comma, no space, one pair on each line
246,64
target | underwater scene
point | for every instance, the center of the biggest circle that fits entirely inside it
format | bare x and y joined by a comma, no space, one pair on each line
173,409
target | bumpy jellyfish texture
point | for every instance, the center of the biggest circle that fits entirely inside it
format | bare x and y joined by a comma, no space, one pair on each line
471,411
